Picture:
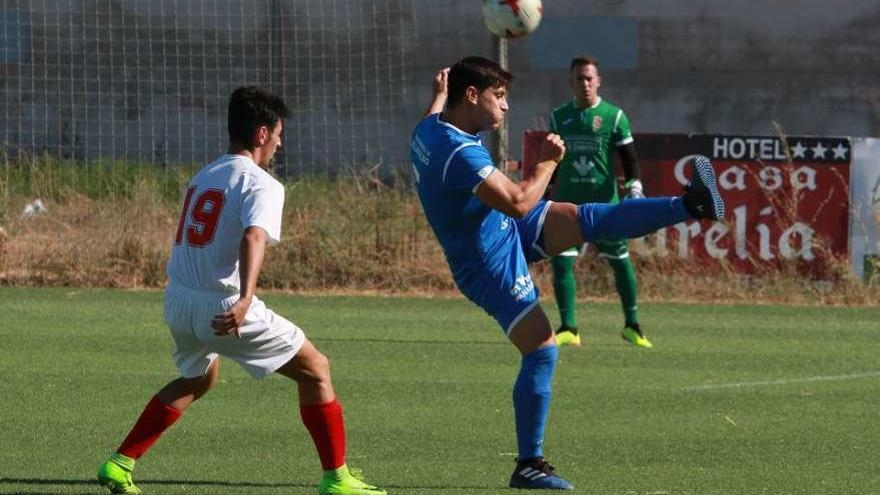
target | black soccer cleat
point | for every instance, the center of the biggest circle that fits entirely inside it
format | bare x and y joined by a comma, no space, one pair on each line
537,474
701,197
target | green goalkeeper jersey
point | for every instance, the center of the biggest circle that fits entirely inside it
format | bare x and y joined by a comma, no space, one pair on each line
586,174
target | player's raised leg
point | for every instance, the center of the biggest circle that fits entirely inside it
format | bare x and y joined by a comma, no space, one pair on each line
532,393
322,416
163,410
568,225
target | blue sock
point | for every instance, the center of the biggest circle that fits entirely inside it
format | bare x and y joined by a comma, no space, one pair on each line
531,400
629,219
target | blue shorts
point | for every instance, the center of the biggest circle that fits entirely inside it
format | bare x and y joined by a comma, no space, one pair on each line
506,291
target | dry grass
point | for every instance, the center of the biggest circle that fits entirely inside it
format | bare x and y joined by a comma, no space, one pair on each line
86,242
355,233
351,234
665,279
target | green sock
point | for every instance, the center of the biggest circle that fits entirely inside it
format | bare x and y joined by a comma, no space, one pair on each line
625,282
565,289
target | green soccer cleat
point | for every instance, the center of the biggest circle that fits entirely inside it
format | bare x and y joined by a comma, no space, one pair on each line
568,336
633,335
115,474
343,481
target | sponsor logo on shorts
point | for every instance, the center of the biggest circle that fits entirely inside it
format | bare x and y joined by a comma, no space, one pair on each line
522,288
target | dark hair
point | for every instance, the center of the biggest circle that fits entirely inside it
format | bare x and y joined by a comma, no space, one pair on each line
250,108
583,60
478,72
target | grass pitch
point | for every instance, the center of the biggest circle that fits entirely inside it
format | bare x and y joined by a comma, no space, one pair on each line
732,399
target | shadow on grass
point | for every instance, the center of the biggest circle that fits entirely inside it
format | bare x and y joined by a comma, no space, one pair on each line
96,488
228,484
501,342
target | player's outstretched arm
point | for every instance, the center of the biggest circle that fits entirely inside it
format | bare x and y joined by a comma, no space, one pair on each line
438,100
515,200
252,250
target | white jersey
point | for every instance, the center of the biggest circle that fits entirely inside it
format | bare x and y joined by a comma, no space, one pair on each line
223,199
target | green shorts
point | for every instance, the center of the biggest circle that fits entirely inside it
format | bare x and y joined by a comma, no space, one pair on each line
614,250
618,249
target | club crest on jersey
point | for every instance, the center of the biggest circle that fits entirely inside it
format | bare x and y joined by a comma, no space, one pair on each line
597,123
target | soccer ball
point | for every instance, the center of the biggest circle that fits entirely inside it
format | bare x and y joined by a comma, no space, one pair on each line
512,18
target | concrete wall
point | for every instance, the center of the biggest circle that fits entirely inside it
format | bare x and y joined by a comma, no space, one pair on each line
149,78
708,66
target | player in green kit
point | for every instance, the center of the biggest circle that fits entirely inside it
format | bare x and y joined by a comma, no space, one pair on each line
593,129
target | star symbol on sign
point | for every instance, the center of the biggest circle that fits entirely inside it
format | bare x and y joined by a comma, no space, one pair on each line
839,151
799,150
819,150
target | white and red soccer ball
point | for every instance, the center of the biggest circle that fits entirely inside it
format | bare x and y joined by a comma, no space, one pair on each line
512,18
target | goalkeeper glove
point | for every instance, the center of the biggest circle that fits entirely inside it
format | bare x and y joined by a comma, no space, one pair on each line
634,189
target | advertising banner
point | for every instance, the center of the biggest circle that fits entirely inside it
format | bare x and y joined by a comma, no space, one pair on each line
865,219
787,199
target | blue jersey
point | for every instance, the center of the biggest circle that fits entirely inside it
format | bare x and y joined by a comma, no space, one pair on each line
487,251
449,164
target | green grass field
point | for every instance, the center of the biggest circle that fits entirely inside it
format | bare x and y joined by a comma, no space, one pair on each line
732,399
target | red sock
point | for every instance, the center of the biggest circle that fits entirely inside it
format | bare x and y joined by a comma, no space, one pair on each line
325,424
156,418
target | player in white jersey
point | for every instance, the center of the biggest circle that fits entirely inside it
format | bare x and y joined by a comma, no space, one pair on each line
231,211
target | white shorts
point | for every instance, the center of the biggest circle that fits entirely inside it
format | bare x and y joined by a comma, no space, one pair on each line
267,341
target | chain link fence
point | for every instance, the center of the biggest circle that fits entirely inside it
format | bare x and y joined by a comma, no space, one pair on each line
148,80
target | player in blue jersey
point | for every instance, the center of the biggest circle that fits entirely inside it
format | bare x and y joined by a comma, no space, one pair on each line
490,228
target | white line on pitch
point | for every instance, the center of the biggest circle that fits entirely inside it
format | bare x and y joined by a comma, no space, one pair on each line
870,374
